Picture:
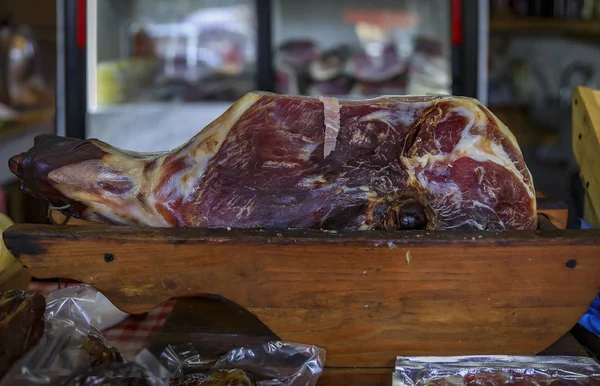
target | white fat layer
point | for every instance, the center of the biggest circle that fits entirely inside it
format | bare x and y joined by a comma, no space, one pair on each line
280,164
403,115
480,171
307,151
331,110
246,209
217,131
311,182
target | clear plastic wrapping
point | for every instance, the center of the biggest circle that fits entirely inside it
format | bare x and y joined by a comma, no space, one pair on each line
272,363
70,344
496,370
73,351
145,370
84,301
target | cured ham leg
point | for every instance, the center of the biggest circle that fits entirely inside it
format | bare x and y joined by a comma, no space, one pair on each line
277,161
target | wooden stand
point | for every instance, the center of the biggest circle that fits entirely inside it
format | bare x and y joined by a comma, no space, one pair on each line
365,297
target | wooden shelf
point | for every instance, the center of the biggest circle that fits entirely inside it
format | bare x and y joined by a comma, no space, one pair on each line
537,25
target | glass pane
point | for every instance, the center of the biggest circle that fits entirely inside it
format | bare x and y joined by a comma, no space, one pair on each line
357,48
172,51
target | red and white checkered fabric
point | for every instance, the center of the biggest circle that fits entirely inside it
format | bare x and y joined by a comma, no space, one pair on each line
138,332
131,335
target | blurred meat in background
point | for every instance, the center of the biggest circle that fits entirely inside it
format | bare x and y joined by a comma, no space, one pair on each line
377,51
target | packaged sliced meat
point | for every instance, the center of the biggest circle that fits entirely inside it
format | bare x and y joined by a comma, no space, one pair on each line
21,325
272,363
62,343
499,370
281,161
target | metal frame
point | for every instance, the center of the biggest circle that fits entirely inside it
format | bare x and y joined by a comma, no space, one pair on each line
466,49
74,100
265,76
60,69
470,49
482,54
91,55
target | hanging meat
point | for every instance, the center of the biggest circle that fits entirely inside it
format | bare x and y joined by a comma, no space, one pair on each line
276,161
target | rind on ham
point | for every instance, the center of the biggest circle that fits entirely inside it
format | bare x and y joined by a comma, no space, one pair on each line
331,111
281,161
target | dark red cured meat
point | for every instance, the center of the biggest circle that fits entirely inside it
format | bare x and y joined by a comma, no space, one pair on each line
278,161
497,378
485,379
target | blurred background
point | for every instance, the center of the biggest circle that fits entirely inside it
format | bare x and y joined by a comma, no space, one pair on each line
147,75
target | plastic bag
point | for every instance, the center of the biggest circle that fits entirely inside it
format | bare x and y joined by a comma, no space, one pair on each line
87,301
270,364
115,374
73,352
145,370
497,370
70,344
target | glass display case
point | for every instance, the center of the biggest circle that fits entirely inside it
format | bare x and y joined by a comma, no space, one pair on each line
147,51
148,74
361,49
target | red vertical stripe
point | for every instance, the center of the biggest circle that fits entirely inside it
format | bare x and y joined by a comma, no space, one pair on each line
81,23
457,22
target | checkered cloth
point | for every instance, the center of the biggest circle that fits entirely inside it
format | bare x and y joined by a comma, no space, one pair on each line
131,335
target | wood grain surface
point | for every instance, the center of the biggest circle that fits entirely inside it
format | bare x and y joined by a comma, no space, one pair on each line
586,147
363,296
556,211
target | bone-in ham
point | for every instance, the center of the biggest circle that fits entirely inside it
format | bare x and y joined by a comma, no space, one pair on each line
280,161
